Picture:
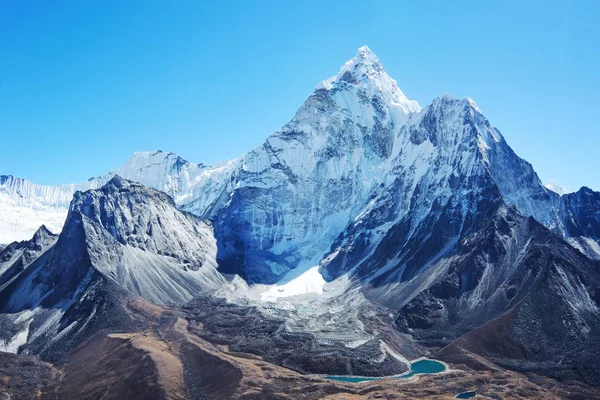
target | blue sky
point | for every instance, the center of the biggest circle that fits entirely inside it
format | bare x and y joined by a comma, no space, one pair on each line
84,84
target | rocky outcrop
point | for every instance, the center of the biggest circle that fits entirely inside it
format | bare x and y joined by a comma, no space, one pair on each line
121,241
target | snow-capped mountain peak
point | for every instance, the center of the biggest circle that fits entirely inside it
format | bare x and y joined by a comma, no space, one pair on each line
557,188
157,169
363,66
366,61
362,200
294,194
366,72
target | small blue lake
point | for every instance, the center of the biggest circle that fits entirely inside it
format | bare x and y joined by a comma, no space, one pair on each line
420,367
466,395
424,367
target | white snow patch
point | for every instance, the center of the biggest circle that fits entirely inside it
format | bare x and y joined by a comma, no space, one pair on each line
355,343
556,188
310,281
19,222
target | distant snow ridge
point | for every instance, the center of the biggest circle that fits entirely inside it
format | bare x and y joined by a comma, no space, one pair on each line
194,187
24,206
557,188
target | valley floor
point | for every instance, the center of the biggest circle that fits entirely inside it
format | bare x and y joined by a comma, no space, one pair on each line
172,360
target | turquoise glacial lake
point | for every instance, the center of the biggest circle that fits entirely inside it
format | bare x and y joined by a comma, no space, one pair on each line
420,367
466,395
424,367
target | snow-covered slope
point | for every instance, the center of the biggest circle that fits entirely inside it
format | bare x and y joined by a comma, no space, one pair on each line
25,206
438,184
295,193
194,187
451,168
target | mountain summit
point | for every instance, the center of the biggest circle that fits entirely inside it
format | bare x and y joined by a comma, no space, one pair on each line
366,72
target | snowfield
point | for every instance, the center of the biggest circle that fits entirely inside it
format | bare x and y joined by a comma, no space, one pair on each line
310,281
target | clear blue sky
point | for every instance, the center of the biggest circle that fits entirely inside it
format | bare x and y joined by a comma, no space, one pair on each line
84,84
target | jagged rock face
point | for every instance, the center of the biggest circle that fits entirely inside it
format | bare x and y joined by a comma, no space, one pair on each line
137,237
534,297
15,259
520,185
120,241
18,255
490,271
581,213
452,166
296,192
41,302
145,219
